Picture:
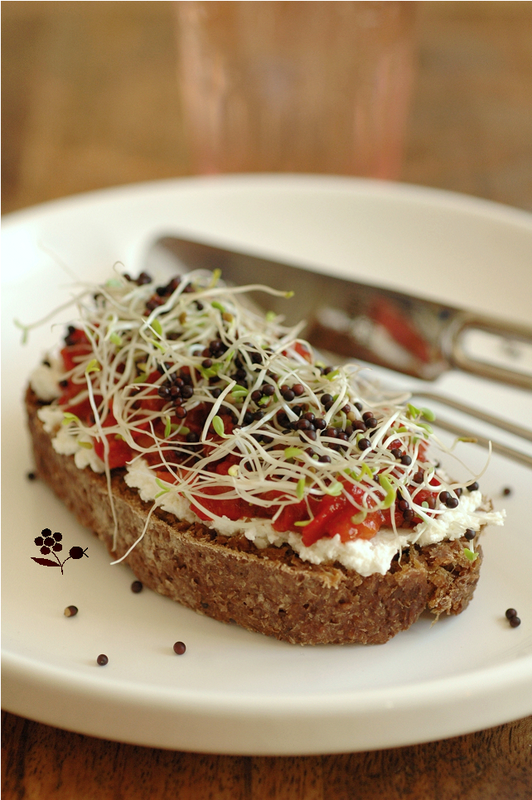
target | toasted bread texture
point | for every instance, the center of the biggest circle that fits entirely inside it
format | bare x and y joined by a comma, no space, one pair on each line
270,591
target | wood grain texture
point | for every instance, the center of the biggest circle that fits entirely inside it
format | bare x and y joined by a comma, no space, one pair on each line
40,763
89,99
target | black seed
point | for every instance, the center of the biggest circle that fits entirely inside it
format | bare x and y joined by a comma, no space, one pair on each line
406,460
308,434
248,418
407,514
363,444
303,424
326,399
143,279
451,502
359,406
510,612
31,476
396,453
367,415
444,496
403,505
514,622
258,414
70,611
325,459
136,587
207,363
506,491
187,392
63,384
418,477
320,424
473,487
179,648
192,437
216,393
288,395
298,389
297,410
469,534
371,422
267,388
256,395
102,660
458,492
180,412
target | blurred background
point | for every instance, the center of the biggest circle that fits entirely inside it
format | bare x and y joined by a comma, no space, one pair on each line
90,99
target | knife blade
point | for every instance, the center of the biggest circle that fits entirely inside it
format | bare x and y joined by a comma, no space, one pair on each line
355,319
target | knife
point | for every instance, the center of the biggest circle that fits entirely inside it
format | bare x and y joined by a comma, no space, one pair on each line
393,329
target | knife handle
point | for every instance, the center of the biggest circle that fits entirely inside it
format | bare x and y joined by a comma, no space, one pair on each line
506,331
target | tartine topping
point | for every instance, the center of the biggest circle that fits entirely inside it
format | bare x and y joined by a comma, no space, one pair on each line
232,411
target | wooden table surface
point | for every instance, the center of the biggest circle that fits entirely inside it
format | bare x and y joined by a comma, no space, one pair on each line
90,100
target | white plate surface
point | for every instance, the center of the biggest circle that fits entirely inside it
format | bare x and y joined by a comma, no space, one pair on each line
234,691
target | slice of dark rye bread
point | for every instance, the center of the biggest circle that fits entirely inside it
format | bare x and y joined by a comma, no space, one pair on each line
270,591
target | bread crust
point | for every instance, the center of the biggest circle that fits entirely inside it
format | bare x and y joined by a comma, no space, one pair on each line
270,591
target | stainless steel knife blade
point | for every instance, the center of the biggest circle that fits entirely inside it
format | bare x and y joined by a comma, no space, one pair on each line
358,320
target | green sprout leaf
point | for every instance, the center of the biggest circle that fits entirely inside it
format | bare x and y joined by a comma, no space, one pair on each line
239,391
167,427
92,366
335,489
288,295
302,523
270,316
365,470
413,411
300,491
219,306
216,274
292,452
86,445
233,470
116,339
469,554
428,414
68,418
389,489
218,425
356,519
157,327
162,486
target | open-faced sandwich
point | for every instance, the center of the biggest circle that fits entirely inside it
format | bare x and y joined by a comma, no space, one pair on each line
206,445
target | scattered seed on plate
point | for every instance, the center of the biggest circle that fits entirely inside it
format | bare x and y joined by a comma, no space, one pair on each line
102,660
31,476
179,648
506,491
136,587
70,611
513,619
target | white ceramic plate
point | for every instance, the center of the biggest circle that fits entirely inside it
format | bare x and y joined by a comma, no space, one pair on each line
234,691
